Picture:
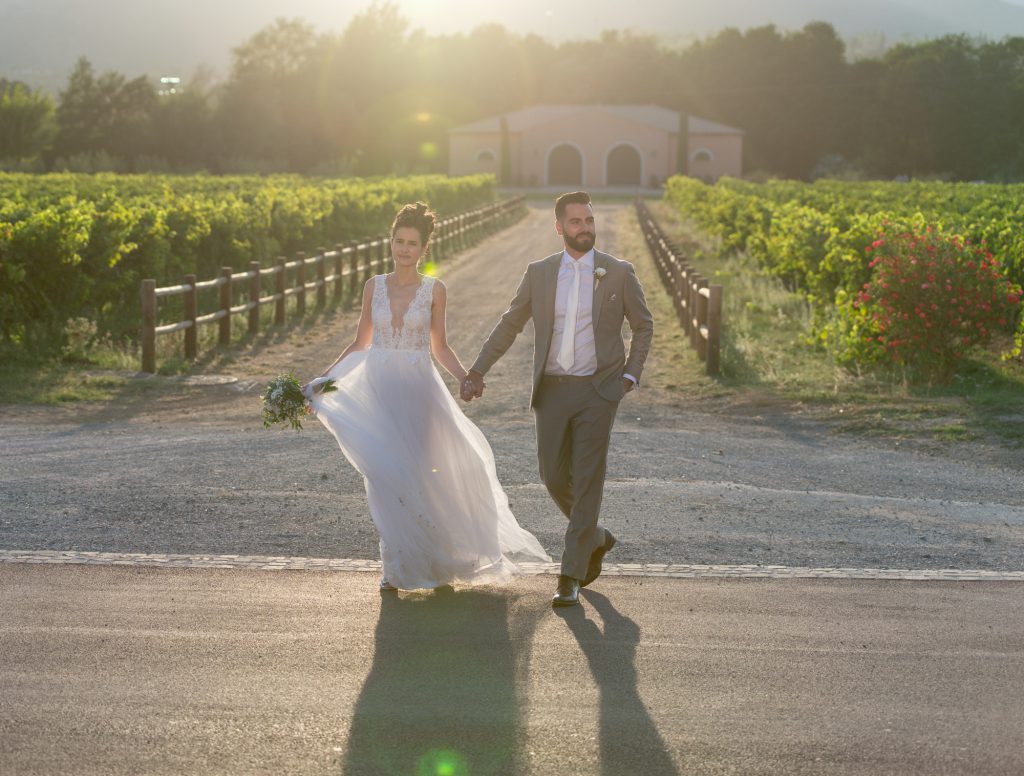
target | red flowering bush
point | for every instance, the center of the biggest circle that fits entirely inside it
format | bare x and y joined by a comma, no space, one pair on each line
931,298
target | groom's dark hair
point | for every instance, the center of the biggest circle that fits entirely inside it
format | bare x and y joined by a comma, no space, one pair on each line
572,198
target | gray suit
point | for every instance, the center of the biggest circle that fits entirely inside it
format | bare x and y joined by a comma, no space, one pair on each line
574,415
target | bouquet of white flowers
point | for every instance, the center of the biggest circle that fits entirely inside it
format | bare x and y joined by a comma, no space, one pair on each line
284,401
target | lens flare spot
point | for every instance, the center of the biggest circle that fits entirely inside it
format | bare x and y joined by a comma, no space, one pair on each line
423,117
430,268
442,762
429,150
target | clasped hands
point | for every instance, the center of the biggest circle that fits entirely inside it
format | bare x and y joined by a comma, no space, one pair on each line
472,386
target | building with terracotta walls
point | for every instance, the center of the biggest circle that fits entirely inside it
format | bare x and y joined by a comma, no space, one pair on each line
595,146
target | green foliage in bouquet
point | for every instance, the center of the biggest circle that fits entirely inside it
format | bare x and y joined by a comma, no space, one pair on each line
284,403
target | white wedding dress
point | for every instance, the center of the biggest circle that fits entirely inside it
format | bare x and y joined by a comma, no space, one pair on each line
431,483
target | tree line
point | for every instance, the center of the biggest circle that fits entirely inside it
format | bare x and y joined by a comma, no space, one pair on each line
377,98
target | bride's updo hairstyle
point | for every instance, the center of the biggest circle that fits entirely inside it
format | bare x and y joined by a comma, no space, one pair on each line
419,217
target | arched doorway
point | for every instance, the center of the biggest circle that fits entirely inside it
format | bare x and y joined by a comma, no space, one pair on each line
624,167
565,166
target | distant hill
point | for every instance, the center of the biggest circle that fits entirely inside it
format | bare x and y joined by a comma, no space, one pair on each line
41,39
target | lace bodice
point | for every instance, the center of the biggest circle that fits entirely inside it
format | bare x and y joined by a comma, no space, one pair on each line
413,331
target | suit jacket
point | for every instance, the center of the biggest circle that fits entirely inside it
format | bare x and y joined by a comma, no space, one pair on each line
617,296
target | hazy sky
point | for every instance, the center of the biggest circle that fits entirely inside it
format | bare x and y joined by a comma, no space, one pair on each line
41,39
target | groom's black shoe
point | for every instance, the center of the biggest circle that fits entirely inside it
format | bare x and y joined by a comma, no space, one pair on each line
568,592
597,558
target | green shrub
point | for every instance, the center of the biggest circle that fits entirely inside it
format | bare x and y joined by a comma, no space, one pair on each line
931,298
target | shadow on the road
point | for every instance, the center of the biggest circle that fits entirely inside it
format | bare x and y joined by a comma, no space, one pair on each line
629,739
443,695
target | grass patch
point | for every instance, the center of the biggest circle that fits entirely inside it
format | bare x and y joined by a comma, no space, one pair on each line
55,382
953,432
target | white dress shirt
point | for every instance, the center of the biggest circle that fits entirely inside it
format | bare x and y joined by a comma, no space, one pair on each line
585,360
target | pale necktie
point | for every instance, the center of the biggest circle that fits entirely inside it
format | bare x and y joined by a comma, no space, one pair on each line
567,350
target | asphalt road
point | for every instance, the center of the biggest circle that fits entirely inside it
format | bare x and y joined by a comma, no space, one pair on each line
119,670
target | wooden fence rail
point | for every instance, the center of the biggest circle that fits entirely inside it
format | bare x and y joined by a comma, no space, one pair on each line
349,267
698,303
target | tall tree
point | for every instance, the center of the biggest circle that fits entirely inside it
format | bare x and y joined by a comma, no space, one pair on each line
26,121
373,74
105,113
184,130
268,109
784,90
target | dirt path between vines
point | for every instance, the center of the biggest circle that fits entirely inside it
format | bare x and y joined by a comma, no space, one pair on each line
698,474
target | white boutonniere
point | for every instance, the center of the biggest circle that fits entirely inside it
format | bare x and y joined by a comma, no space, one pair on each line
599,273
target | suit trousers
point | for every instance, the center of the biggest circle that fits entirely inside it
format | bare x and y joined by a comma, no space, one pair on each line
574,427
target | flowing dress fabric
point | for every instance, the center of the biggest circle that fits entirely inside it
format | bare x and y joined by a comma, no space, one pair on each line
430,477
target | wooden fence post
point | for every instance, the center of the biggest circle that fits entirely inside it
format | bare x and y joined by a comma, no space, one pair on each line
321,277
254,296
691,308
224,335
191,306
714,330
382,255
682,294
672,284
437,242
353,271
339,269
702,325
280,283
300,284
366,261
696,340
149,326
691,311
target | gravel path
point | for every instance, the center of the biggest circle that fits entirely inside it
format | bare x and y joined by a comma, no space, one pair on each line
188,469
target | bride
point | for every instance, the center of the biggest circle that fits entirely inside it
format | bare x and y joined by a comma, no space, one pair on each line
431,483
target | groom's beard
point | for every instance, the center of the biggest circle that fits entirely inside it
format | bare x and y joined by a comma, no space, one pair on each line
582,242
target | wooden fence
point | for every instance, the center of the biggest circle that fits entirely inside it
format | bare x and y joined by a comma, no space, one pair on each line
698,303
347,267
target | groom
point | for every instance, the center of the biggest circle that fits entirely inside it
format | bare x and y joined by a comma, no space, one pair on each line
578,299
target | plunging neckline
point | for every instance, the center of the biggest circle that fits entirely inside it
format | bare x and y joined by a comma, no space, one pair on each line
398,324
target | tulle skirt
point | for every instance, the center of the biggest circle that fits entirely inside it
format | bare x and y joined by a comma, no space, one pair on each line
430,478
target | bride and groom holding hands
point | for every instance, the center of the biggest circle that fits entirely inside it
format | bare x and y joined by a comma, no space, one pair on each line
430,476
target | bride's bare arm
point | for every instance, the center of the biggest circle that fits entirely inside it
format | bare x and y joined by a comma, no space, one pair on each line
364,332
438,337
